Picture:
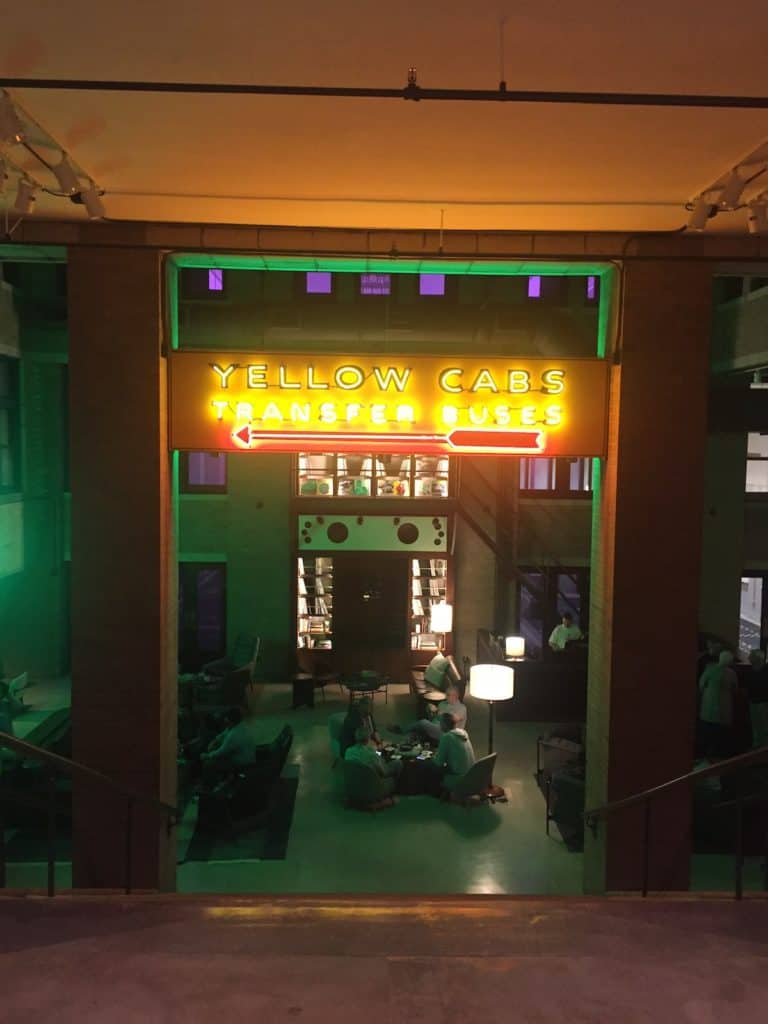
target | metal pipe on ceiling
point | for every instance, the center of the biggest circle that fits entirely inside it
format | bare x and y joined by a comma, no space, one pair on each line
411,91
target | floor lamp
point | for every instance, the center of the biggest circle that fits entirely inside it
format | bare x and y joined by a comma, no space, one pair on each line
491,683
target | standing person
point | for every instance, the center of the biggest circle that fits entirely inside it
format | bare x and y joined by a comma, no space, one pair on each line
563,634
359,716
757,689
717,689
429,728
455,754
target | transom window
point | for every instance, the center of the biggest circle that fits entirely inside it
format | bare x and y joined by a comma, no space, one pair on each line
558,477
363,475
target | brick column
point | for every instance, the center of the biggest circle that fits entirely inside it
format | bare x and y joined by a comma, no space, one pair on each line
123,594
645,574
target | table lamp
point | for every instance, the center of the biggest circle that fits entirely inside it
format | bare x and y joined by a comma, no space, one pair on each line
491,683
514,647
441,620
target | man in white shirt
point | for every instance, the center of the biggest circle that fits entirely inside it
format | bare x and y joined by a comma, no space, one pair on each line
455,755
563,634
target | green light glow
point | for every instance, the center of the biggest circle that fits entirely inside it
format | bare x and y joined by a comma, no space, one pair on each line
605,272
388,265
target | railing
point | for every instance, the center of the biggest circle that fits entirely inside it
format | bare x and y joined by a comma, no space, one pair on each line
57,764
753,757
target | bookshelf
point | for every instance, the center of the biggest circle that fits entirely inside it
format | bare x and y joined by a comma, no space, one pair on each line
429,586
314,607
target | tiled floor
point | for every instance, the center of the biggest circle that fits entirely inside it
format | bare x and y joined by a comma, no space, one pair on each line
419,846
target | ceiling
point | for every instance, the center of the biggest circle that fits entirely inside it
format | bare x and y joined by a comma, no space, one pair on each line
389,163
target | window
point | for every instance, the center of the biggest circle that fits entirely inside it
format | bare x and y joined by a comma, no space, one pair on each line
202,283
431,284
10,475
757,464
319,282
544,595
558,477
203,473
364,475
202,613
548,289
375,284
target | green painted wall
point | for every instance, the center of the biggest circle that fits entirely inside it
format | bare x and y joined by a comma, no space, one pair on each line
34,603
250,529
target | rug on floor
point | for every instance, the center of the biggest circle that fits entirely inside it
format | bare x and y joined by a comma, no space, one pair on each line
265,840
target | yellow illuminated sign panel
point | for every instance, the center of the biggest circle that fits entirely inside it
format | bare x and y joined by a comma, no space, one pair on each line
271,401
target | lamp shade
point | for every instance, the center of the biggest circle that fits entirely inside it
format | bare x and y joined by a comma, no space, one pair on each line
492,682
441,617
514,646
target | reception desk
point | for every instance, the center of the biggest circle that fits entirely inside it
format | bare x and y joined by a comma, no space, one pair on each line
552,690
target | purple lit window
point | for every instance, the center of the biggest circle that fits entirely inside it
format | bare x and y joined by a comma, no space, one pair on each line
319,282
534,287
374,284
431,284
591,288
205,471
215,280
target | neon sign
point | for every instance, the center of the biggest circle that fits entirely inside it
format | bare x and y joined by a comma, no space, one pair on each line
287,402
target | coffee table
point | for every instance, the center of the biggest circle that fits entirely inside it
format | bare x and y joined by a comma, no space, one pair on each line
418,776
361,684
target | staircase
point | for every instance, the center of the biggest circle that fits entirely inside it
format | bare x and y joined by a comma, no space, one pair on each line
438,961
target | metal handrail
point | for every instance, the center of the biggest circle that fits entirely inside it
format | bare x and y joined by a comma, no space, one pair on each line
57,763
758,756
720,768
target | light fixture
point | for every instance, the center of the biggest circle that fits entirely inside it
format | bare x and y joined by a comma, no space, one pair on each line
491,683
25,197
441,620
91,199
11,126
732,190
758,216
514,647
69,183
702,210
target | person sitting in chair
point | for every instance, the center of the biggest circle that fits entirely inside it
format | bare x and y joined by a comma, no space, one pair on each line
234,747
455,754
429,728
360,715
364,751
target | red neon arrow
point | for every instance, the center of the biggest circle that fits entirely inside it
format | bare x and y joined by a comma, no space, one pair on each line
243,434
525,440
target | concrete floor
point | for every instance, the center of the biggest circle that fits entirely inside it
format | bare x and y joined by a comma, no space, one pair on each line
477,960
420,846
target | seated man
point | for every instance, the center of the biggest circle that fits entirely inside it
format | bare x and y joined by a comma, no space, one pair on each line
360,715
455,755
564,634
429,728
232,748
364,751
